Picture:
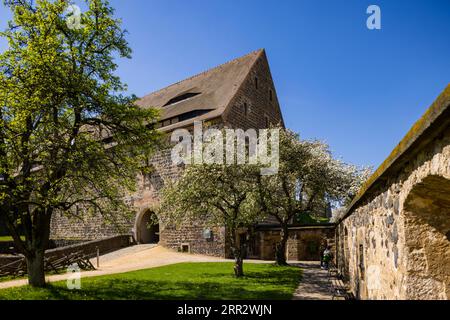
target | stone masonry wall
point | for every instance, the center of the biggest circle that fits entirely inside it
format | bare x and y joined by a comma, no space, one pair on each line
192,236
259,95
303,244
395,245
90,227
94,227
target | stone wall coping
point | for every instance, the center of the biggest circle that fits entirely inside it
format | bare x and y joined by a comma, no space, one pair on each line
435,120
84,244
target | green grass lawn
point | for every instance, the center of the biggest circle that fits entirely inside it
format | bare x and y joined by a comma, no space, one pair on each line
179,281
5,239
8,238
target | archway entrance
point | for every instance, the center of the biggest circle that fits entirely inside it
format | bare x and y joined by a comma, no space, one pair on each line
427,215
147,229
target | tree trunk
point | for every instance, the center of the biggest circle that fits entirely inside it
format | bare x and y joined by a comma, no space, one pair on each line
280,254
238,266
237,254
38,245
35,268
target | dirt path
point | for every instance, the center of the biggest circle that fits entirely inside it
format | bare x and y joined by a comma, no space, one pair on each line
314,284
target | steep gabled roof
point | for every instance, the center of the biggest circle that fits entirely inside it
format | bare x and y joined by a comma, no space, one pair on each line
210,91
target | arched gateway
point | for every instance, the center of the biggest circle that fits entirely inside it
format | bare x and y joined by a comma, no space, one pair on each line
146,230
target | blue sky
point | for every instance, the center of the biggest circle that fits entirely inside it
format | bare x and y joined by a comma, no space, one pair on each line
358,89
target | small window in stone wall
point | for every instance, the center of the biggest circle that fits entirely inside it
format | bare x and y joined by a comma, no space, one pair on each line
256,83
267,121
362,268
270,95
185,247
246,109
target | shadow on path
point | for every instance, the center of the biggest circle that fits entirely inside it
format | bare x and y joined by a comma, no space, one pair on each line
314,284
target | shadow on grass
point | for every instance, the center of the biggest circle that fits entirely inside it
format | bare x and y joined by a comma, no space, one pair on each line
260,282
165,290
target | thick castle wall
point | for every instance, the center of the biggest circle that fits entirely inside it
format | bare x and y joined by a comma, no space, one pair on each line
395,242
94,227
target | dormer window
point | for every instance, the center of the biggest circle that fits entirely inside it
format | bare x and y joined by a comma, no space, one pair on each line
181,97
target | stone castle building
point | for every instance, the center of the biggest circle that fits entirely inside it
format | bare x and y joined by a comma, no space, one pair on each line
238,94
394,242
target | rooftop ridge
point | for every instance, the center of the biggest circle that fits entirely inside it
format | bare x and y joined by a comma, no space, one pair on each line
256,52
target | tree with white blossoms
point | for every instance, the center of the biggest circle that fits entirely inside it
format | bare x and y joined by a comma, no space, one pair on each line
360,176
216,195
308,179
69,142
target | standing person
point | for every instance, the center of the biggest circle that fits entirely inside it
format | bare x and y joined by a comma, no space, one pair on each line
326,257
323,246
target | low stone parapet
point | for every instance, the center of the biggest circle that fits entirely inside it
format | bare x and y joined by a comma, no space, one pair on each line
88,248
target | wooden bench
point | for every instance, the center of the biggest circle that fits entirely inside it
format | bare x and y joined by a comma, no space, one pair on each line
339,289
332,271
337,285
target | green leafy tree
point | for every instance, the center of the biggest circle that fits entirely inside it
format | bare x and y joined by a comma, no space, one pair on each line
218,195
70,140
308,179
